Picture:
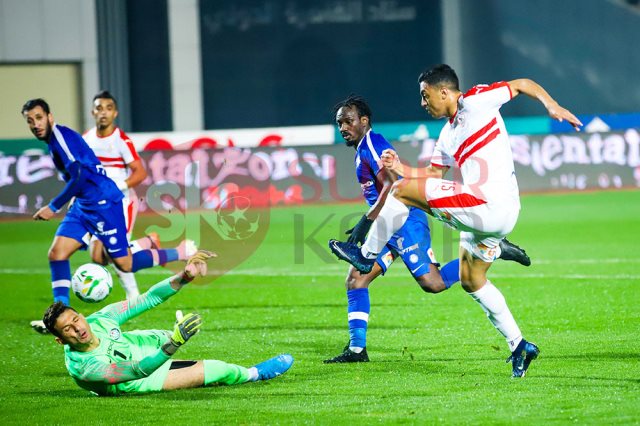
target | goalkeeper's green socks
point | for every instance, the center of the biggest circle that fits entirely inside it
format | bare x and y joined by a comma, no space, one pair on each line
221,373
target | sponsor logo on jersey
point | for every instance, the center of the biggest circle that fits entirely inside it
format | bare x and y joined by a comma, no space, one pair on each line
408,249
115,333
108,232
366,184
100,226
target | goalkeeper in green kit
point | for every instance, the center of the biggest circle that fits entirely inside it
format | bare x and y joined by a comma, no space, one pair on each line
107,361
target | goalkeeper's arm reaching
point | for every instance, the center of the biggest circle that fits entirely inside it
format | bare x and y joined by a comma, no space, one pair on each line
127,309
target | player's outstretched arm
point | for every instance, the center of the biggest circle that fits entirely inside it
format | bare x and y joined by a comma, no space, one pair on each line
127,309
535,91
391,161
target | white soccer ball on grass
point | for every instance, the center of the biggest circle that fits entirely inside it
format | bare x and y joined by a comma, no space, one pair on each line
92,283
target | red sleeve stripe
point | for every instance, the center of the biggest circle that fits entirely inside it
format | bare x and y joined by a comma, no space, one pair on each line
460,200
132,149
129,216
117,166
485,88
130,145
473,138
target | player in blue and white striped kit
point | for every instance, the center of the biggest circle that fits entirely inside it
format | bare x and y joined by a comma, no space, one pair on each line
412,242
96,210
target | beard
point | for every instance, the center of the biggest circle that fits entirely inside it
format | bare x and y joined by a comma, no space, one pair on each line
46,134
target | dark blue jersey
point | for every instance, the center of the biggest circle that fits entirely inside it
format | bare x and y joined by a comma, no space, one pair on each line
81,170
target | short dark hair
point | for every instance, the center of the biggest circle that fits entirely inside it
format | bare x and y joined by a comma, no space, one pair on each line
32,103
440,75
51,316
357,102
105,94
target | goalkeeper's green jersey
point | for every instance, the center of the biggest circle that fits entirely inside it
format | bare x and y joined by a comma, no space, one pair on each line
124,362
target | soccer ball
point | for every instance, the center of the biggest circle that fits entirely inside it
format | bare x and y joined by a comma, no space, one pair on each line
92,283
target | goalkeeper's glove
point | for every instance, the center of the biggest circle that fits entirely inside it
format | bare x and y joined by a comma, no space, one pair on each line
358,233
185,328
197,264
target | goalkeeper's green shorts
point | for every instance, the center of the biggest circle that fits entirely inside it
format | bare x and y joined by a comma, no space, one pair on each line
152,383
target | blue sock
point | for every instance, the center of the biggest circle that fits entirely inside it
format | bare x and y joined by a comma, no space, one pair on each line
141,260
451,273
167,255
60,280
358,314
144,258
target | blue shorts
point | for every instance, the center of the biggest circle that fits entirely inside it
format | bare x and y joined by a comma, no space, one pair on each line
107,224
413,244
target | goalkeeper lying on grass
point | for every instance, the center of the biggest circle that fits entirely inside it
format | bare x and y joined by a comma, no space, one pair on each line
103,359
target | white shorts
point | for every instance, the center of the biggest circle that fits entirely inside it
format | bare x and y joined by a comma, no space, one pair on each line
483,224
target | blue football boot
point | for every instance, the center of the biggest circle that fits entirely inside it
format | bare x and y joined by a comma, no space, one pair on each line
350,252
522,357
274,367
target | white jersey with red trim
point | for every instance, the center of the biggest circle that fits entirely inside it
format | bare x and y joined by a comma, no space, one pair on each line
476,140
114,152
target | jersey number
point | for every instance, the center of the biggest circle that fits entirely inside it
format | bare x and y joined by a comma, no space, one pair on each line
120,354
448,187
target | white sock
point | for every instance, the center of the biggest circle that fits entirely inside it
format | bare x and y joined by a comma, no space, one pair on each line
129,284
391,218
495,306
253,374
135,246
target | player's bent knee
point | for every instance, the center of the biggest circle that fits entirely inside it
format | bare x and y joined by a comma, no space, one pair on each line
353,283
431,284
98,258
56,254
124,264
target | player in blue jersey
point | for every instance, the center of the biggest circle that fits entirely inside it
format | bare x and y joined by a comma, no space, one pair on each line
412,243
96,210
104,359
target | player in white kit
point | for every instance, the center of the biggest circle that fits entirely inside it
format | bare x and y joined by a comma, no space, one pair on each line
122,164
484,207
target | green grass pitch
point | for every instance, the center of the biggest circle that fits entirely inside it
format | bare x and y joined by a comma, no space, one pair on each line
434,358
